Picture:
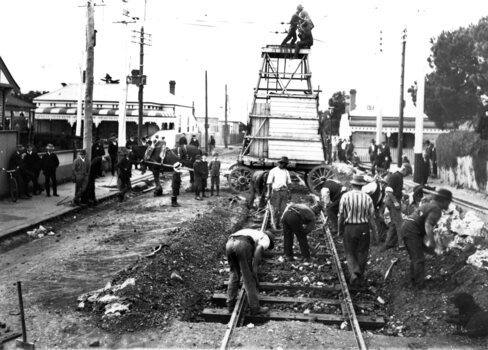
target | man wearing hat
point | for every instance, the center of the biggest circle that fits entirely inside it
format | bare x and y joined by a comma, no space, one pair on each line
32,163
244,250
214,169
331,194
200,173
113,149
176,184
49,164
97,151
278,192
80,173
124,170
418,234
356,218
393,202
194,141
17,163
299,220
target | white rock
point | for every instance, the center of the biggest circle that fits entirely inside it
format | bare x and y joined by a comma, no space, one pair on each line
479,259
250,325
116,308
380,300
106,299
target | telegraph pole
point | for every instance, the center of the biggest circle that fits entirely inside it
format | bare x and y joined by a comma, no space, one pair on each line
90,53
402,101
144,39
206,114
226,127
140,80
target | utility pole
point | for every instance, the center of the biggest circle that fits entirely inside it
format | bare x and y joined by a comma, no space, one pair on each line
379,96
140,79
423,47
206,114
144,39
90,53
122,137
79,106
402,101
226,127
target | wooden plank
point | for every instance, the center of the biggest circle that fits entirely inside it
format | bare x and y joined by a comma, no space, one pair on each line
283,117
222,315
221,298
293,288
296,149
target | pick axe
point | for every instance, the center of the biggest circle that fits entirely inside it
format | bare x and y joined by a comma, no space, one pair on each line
393,262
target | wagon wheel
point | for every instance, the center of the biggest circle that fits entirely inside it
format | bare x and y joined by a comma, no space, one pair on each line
317,176
240,179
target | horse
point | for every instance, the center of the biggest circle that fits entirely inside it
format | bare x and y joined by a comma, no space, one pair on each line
162,158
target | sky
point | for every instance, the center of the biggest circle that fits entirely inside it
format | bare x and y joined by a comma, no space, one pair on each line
43,44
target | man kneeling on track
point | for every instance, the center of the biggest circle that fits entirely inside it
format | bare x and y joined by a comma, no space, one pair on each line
299,220
244,251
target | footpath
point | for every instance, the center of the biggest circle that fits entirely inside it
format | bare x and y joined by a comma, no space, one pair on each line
28,213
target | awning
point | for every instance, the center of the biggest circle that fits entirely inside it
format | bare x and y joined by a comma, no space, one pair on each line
50,112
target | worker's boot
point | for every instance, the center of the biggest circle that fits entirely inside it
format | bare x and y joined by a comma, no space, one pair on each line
203,194
211,191
174,202
218,188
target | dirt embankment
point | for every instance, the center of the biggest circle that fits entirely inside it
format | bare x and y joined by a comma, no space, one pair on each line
173,283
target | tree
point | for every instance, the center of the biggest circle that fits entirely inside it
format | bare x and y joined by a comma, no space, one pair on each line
459,76
31,95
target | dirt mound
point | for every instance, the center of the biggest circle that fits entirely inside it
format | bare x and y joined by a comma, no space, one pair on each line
424,313
173,283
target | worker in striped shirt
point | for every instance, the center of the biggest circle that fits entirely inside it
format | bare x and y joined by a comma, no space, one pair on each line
356,217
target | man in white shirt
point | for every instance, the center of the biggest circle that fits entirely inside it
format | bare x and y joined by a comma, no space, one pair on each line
278,192
244,251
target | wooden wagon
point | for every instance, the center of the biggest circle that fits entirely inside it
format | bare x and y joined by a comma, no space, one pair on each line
284,121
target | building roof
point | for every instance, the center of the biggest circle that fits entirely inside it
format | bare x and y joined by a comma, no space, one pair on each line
15,102
10,82
111,93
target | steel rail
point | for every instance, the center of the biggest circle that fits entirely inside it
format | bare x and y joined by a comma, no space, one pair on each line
236,315
345,291
241,299
455,200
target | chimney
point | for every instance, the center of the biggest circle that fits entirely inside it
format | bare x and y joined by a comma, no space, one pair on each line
172,84
353,92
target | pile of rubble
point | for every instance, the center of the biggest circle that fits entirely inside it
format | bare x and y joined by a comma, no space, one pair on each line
40,232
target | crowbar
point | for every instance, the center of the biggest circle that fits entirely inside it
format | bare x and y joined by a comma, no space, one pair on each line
393,262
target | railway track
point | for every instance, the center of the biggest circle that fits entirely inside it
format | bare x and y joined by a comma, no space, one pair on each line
313,291
456,200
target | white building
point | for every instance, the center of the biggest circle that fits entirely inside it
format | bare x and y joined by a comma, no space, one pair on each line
56,111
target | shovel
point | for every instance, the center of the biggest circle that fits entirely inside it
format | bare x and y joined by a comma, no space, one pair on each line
393,262
24,344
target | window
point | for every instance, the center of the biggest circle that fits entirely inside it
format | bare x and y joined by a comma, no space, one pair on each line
171,126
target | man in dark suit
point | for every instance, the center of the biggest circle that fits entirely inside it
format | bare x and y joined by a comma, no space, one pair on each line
113,148
49,164
32,163
182,141
98,151
124,170
17,162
